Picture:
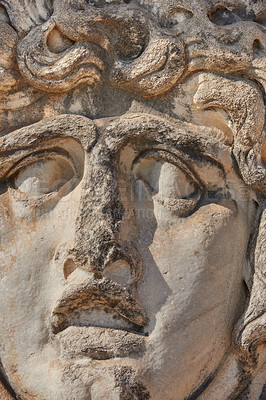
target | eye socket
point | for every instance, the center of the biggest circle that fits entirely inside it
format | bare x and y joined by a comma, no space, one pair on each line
169,181
42,173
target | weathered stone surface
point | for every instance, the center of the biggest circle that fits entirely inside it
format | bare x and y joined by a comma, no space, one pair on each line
132,200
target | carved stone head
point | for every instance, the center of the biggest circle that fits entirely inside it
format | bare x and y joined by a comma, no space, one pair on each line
132,199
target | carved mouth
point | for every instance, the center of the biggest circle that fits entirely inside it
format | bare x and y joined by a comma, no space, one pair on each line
99,343
98,318
96,293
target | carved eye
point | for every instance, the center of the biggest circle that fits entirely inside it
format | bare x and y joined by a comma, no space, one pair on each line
168,181
177,16
42,174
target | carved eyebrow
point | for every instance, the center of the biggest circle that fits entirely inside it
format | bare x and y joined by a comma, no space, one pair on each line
176,135
45,134
198,161
115,134
77,127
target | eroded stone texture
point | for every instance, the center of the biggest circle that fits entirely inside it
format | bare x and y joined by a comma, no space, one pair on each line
132,199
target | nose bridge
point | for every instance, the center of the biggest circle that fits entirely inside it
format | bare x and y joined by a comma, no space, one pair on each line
100,216
100,210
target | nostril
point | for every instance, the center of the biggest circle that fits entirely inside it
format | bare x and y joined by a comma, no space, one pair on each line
72,268
119,271
69,267
57,42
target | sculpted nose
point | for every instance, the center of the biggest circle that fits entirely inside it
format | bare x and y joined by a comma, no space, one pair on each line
99,246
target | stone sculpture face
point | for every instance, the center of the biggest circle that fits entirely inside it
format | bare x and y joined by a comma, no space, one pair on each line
132,200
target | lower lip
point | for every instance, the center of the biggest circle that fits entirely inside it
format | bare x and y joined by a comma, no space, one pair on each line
99,343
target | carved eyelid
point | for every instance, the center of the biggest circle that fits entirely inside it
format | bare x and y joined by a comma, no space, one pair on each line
164,155
180,205
39,187
36,156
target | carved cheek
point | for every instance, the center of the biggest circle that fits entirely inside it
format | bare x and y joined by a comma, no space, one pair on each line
196,264
196,234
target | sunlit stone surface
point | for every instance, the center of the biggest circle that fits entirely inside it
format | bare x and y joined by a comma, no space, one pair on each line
132,200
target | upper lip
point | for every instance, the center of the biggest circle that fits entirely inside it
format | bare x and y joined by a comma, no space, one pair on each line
97,293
